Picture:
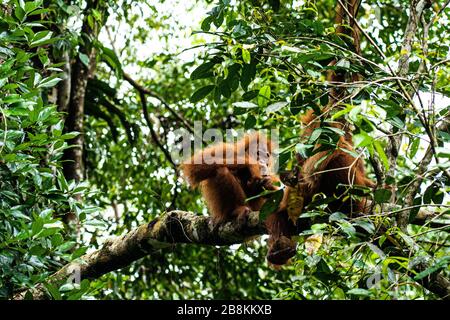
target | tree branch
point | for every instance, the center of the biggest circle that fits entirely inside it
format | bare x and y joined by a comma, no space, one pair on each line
149,92
403,217
172,228
181,227
153,132
143,90
94,110
73,166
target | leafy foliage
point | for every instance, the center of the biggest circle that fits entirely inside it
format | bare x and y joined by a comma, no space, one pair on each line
34,194
241,64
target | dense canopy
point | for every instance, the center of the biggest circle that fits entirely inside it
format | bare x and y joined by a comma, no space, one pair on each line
94,94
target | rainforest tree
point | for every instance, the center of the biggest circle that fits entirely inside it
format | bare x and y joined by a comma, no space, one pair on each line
92,201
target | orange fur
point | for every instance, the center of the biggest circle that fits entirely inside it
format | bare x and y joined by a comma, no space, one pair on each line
226,185
235,176
229,173
338,167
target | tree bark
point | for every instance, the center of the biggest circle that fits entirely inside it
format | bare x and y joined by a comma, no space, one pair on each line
416,10
175,227
181,227
63,88
73,157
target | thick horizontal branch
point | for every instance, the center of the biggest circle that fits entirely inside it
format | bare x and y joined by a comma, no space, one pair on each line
175,227
172,228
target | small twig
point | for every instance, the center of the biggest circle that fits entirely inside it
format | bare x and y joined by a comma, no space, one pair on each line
152,130
149,92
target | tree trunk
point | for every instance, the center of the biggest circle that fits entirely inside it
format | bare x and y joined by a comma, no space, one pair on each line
73,157
181,227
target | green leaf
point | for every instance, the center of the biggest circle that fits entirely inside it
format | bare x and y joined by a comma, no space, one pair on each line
382,155
311,214
57,240
315,135
97,15
36,226
31,5
69,135
53,290
19,13
438,266
78,253
18,214
246,56
274,107
62,182
219,19
433,194
317,226
48,232
366,224
39,11
12,98
225,89
347,228
66,246
271,204
46,34
206,24
382,195
342,112
67,287
264,96
203,71
337,216
49,82
397,122
41,37
250,122
201,93
245,104
111,58
359,292
355,113
84,59
414,147
250,95
248,74
362,140
37,250
304,150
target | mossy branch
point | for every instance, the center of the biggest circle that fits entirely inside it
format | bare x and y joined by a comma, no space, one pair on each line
181,227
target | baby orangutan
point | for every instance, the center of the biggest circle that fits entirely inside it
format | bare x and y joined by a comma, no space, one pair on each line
230,173
325,171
